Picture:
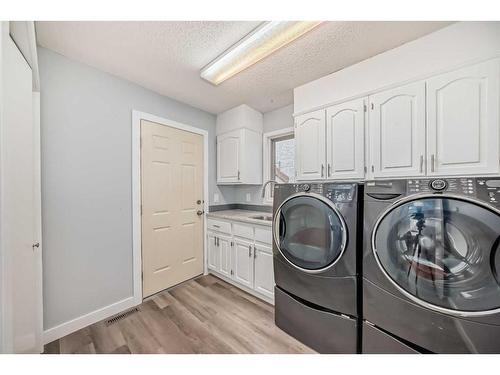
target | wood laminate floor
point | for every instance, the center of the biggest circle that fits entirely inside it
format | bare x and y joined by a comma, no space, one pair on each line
203,315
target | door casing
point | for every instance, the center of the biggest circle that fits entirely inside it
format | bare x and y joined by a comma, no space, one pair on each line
137,116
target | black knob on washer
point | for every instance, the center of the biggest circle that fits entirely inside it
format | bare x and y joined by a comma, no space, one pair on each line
306,187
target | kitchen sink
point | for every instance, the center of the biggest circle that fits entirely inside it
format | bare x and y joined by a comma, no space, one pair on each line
262,217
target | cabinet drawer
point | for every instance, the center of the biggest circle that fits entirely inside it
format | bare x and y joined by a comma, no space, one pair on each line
264,235
242,230
218,225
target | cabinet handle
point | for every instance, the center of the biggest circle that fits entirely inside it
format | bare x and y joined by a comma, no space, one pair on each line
249,250
421,163
329,170
433,159
322,170
215,241
218,241
254,252
216,226
238,175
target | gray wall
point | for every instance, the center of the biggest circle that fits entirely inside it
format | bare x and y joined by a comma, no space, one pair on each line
278,119
86,182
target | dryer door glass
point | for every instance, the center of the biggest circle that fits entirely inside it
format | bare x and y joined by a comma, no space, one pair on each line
311,233
442,251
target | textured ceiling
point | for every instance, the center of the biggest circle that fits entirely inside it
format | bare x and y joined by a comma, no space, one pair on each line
166,57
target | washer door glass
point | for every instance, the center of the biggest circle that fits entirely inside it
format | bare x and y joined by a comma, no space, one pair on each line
311,233
442,250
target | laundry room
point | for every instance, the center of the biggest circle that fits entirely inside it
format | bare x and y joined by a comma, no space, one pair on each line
264,183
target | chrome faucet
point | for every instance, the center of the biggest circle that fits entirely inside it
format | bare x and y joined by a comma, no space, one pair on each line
265,185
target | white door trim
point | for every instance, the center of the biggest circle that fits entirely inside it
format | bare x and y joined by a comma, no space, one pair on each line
137,116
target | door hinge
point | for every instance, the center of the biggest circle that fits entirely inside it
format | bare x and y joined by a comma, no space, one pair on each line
373,168
372,106
141,209
232,273
364,107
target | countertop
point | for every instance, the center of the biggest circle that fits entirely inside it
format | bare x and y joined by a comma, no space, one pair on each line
242,215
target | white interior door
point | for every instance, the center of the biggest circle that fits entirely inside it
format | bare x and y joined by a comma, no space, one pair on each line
228,157
310,145
172,205
345,131
20,212
397,131
463,121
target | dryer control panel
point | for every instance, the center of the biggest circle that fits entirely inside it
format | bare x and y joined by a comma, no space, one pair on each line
462,185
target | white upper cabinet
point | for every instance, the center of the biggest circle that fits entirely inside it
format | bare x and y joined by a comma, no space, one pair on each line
397,131
463,121
239,146
345,140
310,145
228,157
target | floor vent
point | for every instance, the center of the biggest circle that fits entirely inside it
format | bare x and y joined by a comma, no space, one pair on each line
121,316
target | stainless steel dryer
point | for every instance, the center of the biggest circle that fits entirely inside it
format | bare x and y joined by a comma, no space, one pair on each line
431,266
315,263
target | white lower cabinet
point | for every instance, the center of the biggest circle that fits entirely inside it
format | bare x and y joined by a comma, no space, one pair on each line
225,247
213,258
246,261
264,273
243,262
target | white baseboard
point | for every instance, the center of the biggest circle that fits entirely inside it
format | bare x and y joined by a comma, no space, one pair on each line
85,320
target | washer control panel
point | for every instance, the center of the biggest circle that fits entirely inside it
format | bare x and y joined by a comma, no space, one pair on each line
336,192
488,189
308,188
460,185
340,193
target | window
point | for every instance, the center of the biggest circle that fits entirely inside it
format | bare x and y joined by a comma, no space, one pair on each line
279,159
283,159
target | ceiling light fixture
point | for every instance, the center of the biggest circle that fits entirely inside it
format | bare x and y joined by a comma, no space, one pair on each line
260,43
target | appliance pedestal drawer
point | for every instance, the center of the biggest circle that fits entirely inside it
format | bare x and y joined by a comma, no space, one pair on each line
376,341
321,330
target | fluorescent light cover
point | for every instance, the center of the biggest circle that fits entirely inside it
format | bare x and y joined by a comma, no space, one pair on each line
260,43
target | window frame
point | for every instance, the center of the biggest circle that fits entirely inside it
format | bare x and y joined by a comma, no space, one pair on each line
267,140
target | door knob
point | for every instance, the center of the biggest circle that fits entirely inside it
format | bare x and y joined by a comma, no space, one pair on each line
199,212
36,245
198,201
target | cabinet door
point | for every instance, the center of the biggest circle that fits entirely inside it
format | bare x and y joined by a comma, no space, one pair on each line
345,140
310,145
213,252
225,255
243,262
228,157
462,121
264,272
397,131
